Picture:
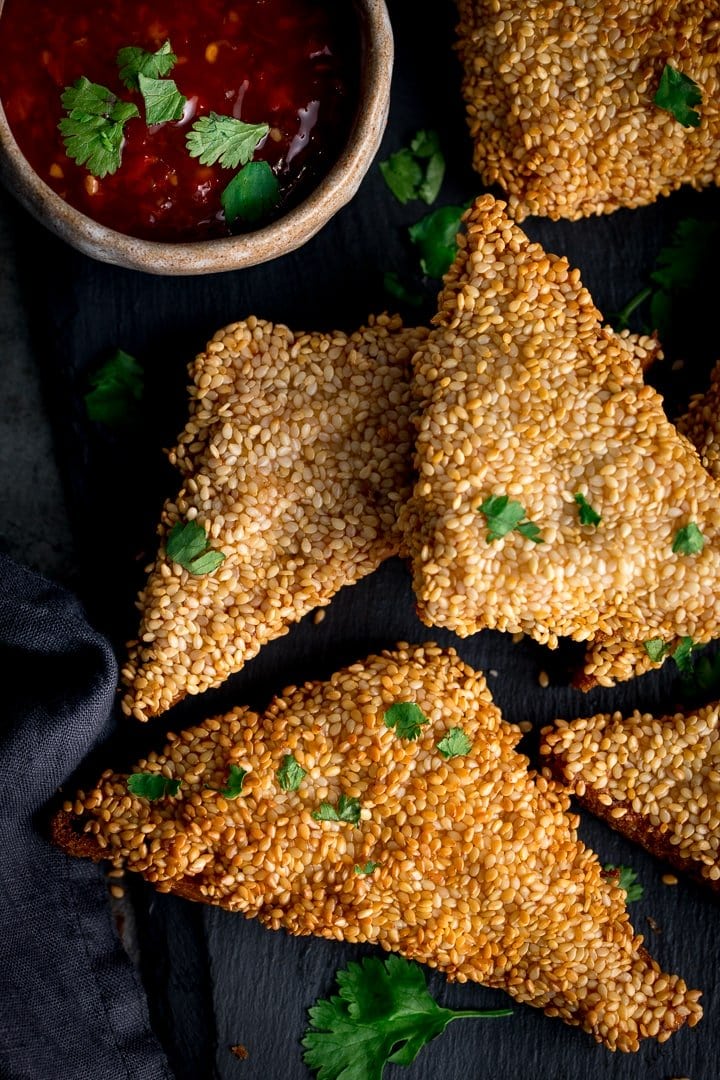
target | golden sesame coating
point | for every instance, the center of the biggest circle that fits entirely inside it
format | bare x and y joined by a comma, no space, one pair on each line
480,873
655,779
522,392
560,104
295,458
701,424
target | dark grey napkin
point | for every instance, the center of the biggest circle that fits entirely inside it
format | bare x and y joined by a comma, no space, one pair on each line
71,1004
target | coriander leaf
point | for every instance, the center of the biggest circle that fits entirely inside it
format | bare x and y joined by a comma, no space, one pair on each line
656,649
117,387
435,235
188,545
403,175
395,288
587,515
682,655
626,878
232,142
234,786
677,94
251,194
347,809
383,1014
407,718
93,129
429,189
151,785
426,144
134,62
455,743
368,868
290,775
163,100
688,540
505,515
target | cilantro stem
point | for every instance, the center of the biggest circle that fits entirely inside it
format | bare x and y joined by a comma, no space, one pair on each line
622,318
485,1013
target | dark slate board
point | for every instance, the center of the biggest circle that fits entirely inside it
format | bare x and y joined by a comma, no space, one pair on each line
213,979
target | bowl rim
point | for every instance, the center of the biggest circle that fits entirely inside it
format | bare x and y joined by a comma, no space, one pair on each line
280,237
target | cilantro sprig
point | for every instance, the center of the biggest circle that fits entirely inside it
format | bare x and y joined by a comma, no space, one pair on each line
586,513
291,774
505,515
688,540
382,1014
367,869
234,786
188,545
253,192
455,743
435,236
406,718
219,139
117,390
417,171
152,785
134,62
678,94
627,879
657,650
347,809
163,100
93,130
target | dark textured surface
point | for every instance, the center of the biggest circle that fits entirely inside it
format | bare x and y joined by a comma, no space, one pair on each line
214,979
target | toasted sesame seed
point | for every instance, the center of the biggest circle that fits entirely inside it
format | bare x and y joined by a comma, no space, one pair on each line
669,879
319,616
480,867
544,679
117,891
560,102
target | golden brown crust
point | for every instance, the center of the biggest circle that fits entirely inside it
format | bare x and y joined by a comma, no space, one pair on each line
701,424
560,100
653,780
479,870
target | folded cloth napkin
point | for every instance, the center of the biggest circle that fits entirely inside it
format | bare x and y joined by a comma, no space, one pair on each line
71,1004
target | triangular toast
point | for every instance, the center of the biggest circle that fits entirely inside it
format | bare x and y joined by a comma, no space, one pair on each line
443,846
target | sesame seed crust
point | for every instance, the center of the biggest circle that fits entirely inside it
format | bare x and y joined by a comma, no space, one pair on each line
522,392
295,458
560,105
654,779
480,874
701,424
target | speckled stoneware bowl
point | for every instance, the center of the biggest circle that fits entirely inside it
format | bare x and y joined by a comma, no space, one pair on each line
234,252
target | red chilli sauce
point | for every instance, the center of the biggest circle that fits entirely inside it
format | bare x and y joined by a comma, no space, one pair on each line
293,64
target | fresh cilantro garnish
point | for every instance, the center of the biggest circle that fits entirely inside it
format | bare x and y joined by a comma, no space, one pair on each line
134,62
407,718
290,775
688,540
587,515
93,129
251,193
455,743
234,786
117,387
680,280
682,655
347,809
368,868
627,879
224,139
436,237
188,545
163,100
505,515
399,291
705,675
151,785
677,94
656,649
417,172
383,1014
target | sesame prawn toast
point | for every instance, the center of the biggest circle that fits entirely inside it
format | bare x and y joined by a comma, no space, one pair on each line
533,422
431,840
656,780
295,458
560,100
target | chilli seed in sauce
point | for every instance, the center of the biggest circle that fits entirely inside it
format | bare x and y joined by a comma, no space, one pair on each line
292,64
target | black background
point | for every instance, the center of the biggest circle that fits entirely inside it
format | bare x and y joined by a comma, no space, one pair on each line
214,979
